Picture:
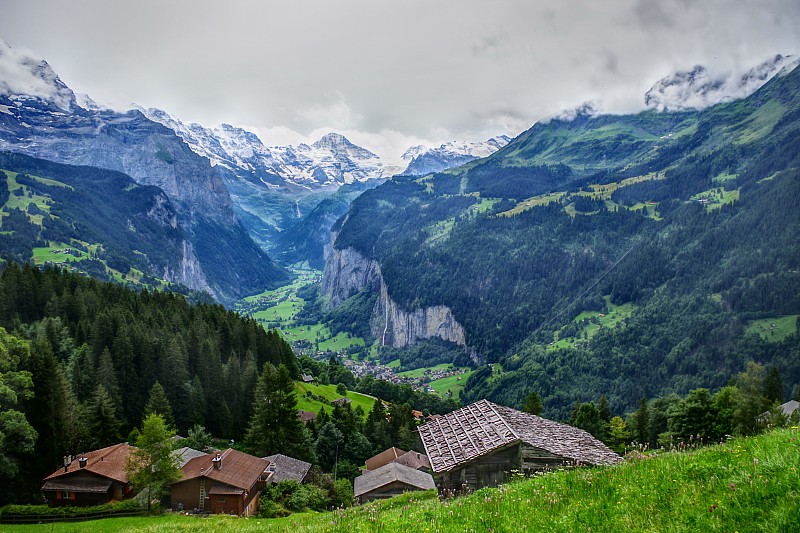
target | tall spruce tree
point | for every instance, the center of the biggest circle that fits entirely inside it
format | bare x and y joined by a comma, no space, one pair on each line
158,404
102,424
274,426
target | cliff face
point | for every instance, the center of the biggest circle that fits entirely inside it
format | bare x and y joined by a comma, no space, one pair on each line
348,272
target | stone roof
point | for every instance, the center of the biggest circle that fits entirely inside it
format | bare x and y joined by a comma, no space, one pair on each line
306,416
414,460
285,467
390,473
383,458
789,407
342,401
107,462
307,378
236,469
484,427
186,454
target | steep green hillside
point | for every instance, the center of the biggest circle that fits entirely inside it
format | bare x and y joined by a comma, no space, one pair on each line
688,220
104,224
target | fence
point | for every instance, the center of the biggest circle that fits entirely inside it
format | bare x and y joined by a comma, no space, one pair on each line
47,518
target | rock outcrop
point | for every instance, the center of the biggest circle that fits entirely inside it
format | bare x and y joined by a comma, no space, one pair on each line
348,272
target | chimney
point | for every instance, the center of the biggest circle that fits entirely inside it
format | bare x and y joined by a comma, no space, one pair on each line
82,461
67,462
217,462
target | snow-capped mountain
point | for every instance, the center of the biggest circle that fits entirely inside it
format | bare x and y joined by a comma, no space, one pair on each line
698,89
328,163
422,160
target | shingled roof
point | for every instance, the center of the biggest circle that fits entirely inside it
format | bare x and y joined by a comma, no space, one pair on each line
483,427
237,469
107,462
385,457
390,473
285,467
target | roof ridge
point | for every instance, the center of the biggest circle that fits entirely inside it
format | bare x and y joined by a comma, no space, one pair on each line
501,417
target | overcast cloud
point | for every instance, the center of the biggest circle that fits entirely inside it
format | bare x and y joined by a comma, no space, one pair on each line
390,74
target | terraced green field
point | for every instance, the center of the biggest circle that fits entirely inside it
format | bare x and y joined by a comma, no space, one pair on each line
773,329
328,393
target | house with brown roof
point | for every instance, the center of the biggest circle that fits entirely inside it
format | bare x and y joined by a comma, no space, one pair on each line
306,416
481,444
390,480
93,478
383,458
220,483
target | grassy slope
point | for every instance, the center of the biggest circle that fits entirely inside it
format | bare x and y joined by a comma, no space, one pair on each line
329,393
748,484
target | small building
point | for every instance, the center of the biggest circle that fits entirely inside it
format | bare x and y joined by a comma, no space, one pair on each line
415,460
93,478
344,400
307,378
383,458
481,444
786,409
390,480
417,414
220,483
283,467
306,416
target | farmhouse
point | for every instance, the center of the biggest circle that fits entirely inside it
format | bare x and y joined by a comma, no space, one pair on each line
481,444
390,480
415,460
306,416
93,478
220,483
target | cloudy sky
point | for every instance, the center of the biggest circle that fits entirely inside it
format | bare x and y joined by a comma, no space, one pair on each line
389,73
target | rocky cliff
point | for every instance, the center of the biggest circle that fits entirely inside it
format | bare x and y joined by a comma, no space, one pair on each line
348,272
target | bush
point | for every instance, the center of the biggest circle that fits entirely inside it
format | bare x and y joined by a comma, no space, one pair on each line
45,510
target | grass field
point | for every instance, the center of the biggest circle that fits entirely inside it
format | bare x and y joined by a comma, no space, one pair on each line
591,322
784,326
328,392
743,485
454,384
716,198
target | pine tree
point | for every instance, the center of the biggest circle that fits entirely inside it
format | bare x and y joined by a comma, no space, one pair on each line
274,426
158,404
641,421
533,404
102,424
773,386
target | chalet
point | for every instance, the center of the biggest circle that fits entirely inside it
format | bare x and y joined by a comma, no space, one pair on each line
306,416
93,478
383,458
307,378
344,400
220,483
284,467
390,480
481,444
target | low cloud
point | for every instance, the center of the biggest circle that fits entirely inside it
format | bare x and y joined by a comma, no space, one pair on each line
23,74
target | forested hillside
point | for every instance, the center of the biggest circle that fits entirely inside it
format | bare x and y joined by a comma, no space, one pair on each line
93,352
630,256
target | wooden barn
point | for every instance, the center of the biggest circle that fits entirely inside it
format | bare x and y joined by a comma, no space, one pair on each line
283,467
390,480
220,483
93,478
483,443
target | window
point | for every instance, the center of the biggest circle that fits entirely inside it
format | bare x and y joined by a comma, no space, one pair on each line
65,495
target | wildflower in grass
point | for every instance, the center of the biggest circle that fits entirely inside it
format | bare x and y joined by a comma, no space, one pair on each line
733,486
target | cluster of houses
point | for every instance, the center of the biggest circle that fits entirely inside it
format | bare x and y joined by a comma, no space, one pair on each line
476,446
379,371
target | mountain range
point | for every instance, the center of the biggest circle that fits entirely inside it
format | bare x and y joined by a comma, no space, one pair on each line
627,255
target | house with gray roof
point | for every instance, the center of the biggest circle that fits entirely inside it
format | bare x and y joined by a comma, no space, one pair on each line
481,444
284,467
390,480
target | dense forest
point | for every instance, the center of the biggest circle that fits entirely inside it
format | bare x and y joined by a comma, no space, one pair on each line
688,221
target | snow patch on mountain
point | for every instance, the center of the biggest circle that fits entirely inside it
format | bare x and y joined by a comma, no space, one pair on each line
698,88
423,160
328,163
